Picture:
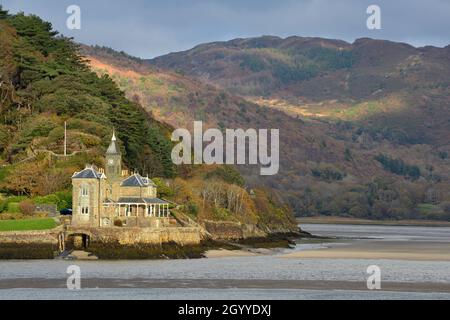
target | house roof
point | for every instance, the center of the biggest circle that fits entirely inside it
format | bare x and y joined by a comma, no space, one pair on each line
88,173
136,180
141,201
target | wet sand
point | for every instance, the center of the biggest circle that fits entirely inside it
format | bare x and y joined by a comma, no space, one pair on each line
222,284
228,253
246,252
373,249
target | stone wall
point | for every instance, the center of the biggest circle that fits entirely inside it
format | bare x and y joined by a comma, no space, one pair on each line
51,209
37,237
127,236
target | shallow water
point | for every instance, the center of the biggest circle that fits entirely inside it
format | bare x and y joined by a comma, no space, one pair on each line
263,267
212,294
398,233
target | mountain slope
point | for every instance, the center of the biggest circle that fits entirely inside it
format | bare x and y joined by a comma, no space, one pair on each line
269,66
335,156
377,84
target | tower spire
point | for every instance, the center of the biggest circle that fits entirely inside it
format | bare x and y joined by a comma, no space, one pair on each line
113,146
113,159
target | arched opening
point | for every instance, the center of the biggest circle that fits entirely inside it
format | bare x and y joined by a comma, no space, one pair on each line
78,241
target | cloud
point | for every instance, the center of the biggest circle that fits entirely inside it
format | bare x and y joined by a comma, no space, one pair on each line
150,28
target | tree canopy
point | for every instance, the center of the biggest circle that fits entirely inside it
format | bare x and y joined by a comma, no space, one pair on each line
43,74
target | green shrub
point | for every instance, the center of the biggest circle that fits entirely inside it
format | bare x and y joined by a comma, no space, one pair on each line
13,207
65,198
327,173
329,58
221,213
192,208
61,203
163,189
4,172
227,174
56,134
5,202
398,166
252,63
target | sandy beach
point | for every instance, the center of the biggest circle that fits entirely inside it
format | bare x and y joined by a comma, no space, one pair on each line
410,243
388,250
370,250
228,253
245,252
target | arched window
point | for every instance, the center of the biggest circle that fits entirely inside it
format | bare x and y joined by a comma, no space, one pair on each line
84,190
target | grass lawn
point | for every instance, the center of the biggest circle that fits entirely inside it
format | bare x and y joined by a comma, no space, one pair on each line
31,224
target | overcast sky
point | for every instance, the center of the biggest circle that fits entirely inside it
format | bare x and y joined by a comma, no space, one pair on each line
148,28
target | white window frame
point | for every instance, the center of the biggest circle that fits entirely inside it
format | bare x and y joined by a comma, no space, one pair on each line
84,191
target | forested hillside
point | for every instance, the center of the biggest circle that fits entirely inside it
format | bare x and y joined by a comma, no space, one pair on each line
363,126
45,82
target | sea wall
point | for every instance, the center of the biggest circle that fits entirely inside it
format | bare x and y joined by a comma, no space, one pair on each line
28,237
127,236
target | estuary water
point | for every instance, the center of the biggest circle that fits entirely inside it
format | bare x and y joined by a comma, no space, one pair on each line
274,274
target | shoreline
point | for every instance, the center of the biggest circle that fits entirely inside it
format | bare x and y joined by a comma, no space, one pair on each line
355,221
165,251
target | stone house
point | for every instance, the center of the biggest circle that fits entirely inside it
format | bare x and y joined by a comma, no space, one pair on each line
105,197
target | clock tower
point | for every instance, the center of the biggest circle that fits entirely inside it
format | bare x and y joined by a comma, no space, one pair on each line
113,160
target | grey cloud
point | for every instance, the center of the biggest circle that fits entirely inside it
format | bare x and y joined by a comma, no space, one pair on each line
151,28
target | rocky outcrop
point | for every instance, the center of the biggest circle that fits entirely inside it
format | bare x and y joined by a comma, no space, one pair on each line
228,230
